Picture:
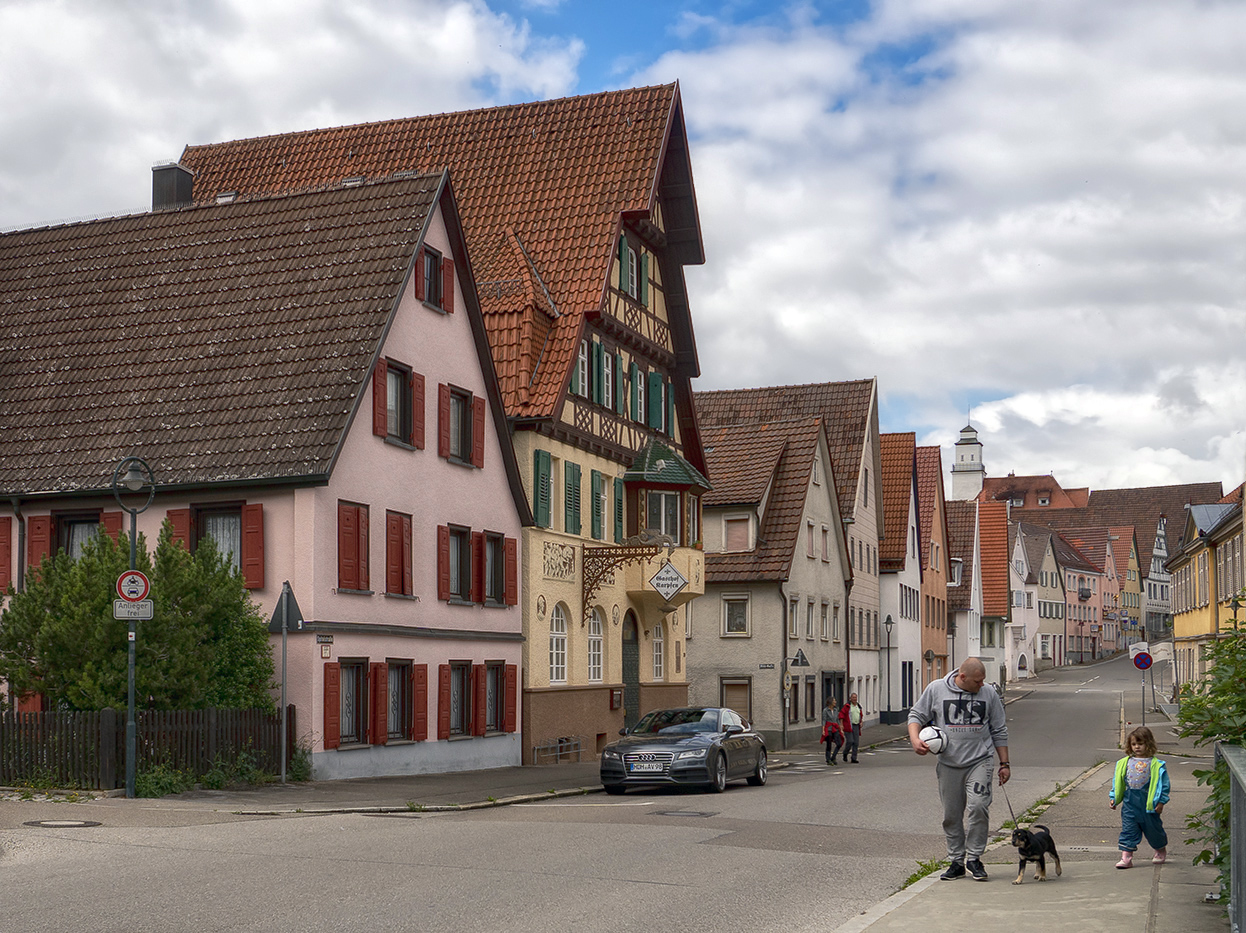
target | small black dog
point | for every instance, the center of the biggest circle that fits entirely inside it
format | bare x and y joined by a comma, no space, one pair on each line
1035,847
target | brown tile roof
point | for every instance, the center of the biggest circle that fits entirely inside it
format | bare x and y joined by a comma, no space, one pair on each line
929,494
1070,558
899,452
219,343
993,550
542,188
847,411
961,518
1028,489
1122,541
778,534
1092,542
742,459
1034,538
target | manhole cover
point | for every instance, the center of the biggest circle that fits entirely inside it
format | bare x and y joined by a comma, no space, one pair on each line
62,824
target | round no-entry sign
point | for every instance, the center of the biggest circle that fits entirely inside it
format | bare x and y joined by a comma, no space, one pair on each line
1142,660
133,586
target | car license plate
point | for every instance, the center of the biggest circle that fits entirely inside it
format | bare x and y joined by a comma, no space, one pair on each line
646,766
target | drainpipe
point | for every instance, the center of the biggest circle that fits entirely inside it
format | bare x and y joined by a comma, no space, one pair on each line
783,712
21,543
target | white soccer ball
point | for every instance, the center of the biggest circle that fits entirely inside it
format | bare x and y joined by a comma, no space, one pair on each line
934,738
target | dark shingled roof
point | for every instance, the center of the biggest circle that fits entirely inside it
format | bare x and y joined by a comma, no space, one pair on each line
220,343
961,518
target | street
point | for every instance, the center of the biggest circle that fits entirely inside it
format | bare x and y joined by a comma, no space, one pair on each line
812,849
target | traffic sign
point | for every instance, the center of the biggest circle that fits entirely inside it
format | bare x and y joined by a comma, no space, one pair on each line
132,609
1142,660
133,586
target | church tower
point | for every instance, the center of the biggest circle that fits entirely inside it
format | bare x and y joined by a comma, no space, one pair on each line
968,471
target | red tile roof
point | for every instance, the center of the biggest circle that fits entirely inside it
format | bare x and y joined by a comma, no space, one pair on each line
993,550
222,343
1122,541
542,189
929,494
847,409
1028,489
899,466
962,517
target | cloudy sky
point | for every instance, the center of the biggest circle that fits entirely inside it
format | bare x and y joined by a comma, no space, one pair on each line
1035,212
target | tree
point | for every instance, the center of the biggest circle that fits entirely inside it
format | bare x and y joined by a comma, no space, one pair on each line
205,646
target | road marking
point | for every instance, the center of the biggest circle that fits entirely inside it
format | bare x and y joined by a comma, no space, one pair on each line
621,803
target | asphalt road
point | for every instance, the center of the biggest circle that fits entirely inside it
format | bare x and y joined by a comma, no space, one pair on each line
810,850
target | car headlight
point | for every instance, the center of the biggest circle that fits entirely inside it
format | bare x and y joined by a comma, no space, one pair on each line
612,755
691,753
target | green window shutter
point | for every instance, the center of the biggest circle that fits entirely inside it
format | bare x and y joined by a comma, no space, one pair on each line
618,511
573,499
540,487
633,381
575,376
642,291
670,408
623,262
598,378
596,486
654,414
619,404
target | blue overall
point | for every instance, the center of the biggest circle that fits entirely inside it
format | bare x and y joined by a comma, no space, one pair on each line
1137,790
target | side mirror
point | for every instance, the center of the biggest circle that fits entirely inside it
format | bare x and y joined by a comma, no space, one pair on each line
623,731
733,730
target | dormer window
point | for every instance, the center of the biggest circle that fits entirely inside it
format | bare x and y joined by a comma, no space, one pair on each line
736,533
582,369
1044,500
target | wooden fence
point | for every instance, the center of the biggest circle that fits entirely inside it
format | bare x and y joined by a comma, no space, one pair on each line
87,749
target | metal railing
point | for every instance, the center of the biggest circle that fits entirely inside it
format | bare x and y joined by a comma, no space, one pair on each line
1235,757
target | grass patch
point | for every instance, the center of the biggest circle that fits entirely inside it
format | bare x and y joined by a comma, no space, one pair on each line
924,868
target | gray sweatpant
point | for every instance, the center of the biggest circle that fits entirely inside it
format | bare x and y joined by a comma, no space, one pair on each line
961,789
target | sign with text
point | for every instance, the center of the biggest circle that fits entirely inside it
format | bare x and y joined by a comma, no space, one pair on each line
668,581
140,609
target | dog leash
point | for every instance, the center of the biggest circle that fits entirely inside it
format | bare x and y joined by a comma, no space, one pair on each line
1015,824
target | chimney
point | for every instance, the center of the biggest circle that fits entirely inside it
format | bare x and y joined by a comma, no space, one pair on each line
171,186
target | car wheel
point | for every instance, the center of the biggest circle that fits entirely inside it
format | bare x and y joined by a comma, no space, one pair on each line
718,773
614,789
758,777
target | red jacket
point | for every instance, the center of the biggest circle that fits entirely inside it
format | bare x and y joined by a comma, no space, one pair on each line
845,720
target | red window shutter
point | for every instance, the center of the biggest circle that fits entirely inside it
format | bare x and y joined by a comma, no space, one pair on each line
364,557
6,551
447,284
478,567
114,524
511,547
393,553
480,684
379,677
478,432
347,543
380,400
180,520
512,704
419,701
443,701
332,704
39,539
443,420
420,290
253,546
417,411
408,584
443,561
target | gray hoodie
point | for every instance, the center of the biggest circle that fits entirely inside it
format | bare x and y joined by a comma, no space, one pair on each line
973,722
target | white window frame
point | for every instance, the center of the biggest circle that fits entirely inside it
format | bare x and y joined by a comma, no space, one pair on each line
558,644
737,598
594,647
582,369
809,619
793,617
659,652
824,623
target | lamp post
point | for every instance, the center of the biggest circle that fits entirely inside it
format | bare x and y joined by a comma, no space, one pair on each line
1081,641
137,475
889,623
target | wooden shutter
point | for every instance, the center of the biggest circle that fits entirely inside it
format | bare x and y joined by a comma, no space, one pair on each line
417,411
670,408
597,362
443,420
347,544
480,686
380,400
180,520
408,561
477,574
419,702
654,401
447,284
572,498
6,551
512,705
443,562
511,548
393,552
642,290
363,550
421,291
379,720
478,432
618,511
252,557
332,704
595,511
541,487
443,701
633,387
620,392
114,524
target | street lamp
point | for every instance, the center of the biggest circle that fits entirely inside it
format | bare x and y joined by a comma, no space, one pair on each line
889,623
137,475
1081,641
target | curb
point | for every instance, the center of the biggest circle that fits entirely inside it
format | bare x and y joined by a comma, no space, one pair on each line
427,808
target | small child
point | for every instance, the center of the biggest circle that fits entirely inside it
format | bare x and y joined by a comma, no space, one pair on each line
1141,788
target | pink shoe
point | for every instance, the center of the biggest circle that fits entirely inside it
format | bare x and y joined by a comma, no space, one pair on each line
1127,860
1161,856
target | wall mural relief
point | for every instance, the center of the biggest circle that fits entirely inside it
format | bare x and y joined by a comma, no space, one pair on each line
559,561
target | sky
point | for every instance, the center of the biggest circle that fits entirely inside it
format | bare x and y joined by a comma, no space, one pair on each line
1031,216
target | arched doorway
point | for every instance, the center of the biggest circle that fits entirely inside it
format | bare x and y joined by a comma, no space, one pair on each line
631,670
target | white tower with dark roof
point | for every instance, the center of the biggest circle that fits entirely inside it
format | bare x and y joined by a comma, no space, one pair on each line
968,471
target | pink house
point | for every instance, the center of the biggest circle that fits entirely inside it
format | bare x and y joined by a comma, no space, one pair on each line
308,377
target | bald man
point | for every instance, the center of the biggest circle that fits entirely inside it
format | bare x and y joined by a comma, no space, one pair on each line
971,715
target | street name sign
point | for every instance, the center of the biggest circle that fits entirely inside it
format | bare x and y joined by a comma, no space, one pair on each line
132,609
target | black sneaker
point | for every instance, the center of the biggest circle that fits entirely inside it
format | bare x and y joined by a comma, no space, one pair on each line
975,869
954,871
